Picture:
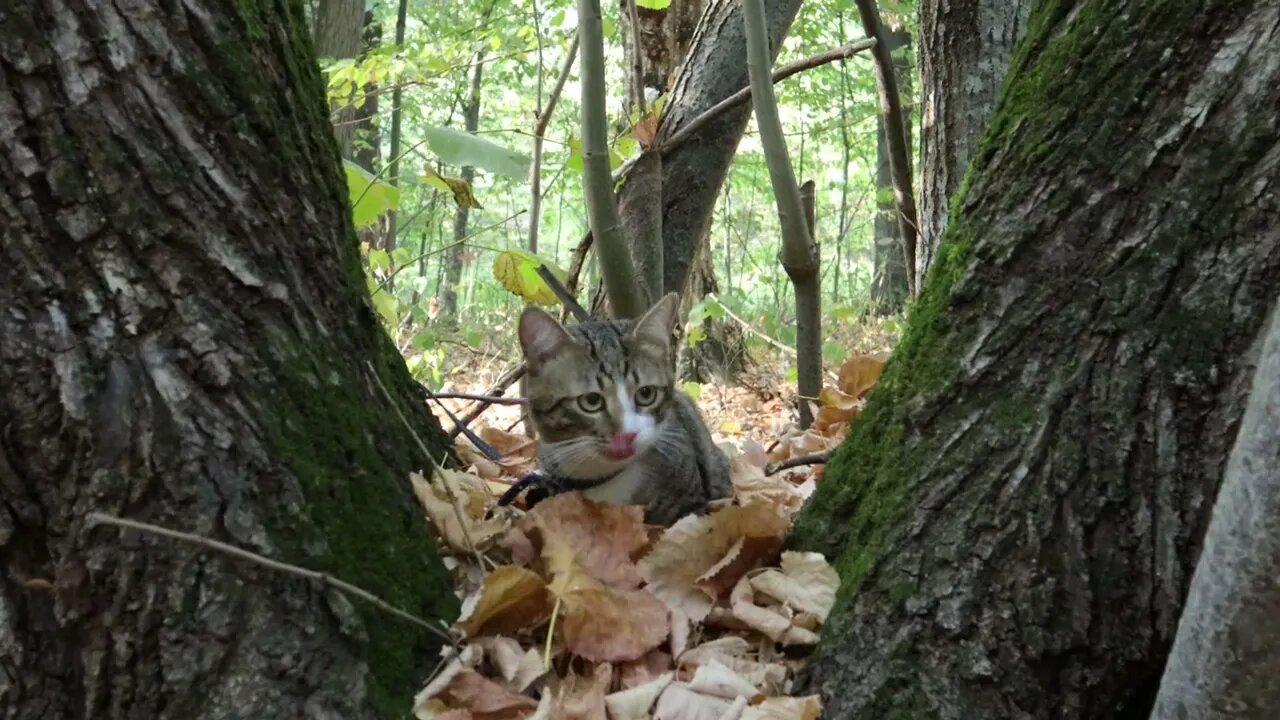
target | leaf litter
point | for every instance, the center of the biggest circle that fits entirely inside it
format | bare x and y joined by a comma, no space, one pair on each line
577,609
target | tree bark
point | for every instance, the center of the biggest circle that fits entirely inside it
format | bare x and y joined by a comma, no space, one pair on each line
889,287
694,172
964,52
456,258
1016,514
1226,656
184,339
339,27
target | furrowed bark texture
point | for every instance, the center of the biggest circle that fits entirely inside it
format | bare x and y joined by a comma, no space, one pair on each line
1016,514
1226,657
693,173
964,51
184,334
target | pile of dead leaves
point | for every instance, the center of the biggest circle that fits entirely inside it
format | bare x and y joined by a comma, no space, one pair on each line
577,609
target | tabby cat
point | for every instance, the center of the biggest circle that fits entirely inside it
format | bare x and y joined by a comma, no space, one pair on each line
603,401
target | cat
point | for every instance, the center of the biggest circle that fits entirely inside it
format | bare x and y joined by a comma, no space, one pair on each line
602,398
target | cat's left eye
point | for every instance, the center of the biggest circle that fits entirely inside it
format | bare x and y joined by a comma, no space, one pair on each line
591,402
646,395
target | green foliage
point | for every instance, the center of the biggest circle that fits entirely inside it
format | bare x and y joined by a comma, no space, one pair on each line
370,197
460,148
517,270
653,4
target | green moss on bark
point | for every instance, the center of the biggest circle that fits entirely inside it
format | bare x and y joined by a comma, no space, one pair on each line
351,457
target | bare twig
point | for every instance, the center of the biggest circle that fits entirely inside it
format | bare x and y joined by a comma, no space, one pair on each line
895,133
439,630
508,379
680,136
491,399
539,131
561,292
814,459
749,328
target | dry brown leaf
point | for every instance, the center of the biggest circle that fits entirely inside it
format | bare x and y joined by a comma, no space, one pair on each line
635,702
750,484
600,623
695,544
512,598
579,698
859,373
603,538
785,708
517,666
806,582
745,554
449,521
717,680
678,702
646,669
645,129
485,699
454,666
764,620
509,444
736,654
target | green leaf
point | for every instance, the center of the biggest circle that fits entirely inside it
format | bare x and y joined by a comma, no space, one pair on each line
379,260
460,148
793,374
385,303
369,198
517,270
833,352
575,155
653,4
692,389
843,313
695,336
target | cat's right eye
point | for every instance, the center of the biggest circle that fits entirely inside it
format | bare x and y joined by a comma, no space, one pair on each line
591,402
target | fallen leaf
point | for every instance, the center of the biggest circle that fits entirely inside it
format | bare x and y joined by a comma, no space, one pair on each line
695,544
635,702
485,699
806,582
579,698
517,666
646,669
678,702
457,525
742,556
785,708
859,373
600,623
511,598
453,667
767,621
602,537
717,680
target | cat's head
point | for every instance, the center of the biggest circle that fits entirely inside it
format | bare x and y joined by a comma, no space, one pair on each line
598,391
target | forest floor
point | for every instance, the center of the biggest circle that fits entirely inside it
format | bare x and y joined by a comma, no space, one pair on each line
578,610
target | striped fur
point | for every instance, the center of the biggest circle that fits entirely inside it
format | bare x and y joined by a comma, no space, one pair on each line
591,380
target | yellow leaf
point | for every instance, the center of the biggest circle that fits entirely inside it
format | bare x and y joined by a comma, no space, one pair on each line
511,598
517,270
859,373
460,188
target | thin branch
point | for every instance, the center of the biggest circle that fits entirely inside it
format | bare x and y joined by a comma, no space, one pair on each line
96,518
539,133
895,133
680,136
508,379
814,459
491,399
749,328
566,299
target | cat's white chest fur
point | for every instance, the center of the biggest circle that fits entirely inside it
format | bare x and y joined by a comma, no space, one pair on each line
624,489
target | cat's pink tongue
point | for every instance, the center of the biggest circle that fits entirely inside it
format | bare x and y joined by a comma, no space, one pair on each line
621,446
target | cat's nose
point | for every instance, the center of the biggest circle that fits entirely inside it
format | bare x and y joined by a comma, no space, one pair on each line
622,445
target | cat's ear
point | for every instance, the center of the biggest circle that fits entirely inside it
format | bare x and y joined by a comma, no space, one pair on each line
541,336
655,326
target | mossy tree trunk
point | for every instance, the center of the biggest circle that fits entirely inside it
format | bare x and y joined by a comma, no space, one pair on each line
1016,514
185,339
964,51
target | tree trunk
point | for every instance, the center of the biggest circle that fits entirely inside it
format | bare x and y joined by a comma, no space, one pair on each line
714,69
889,279
456,257
366,140
185,338
1226,656
1016,514
339,27
964,51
